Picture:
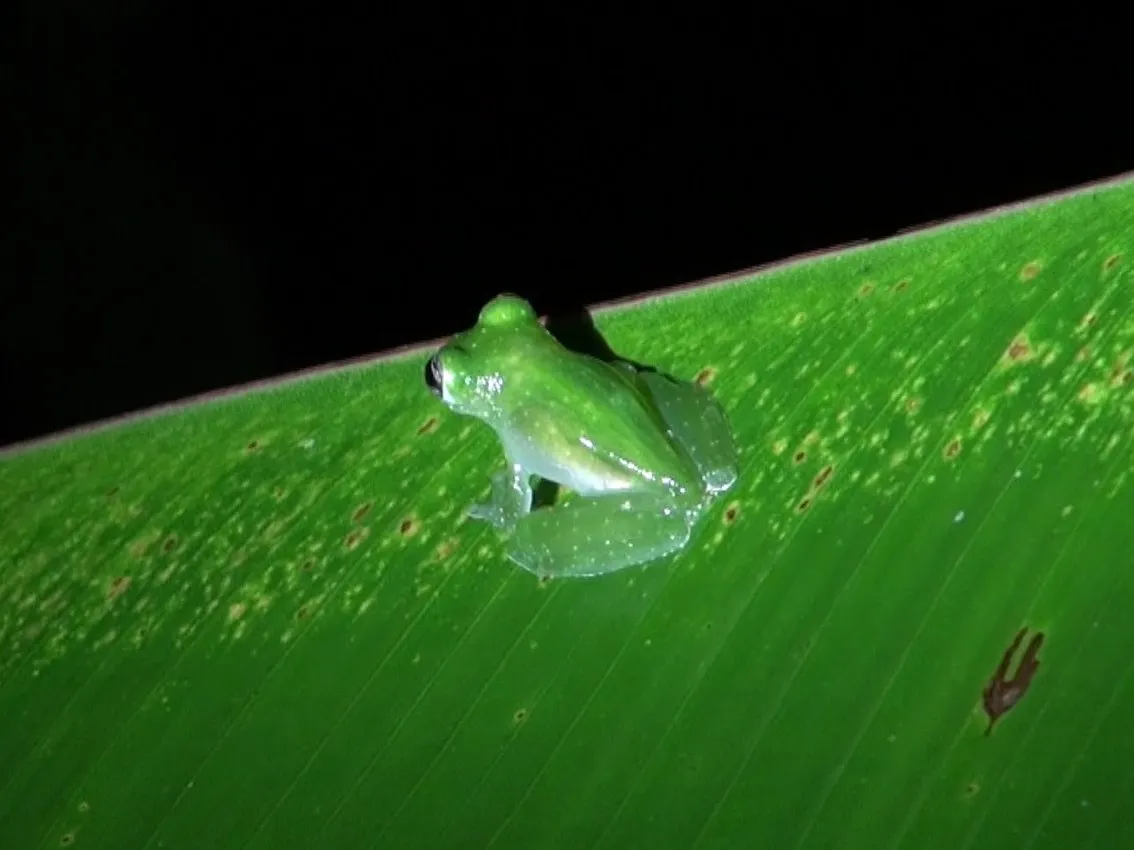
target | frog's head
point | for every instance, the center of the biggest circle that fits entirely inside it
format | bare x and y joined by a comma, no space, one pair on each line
470,371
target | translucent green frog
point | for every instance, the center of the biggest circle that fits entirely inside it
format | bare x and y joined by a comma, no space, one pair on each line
644,454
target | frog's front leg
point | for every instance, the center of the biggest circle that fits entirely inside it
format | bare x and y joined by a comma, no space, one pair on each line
511,497
597,535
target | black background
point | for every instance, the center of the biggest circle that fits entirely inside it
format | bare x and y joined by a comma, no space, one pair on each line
207,193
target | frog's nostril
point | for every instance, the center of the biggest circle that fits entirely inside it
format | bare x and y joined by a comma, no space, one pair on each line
433,376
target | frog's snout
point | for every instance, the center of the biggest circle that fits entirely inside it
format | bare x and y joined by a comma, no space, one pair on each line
433,375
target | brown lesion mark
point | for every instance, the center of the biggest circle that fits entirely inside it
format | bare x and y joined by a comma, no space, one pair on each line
409,526
953,448
117,587
866,289
112,492
1090,393
902,285
446,548
428,426
731,513
1019,350
1030,271
1120,374
67,839
355,538
544,580
799,457
803,505
253,446
169,544
1111,261
913,404
705,376
308,565
520,716
361,511
1088,320
1001,694
824,475
972,789
278,493
303,613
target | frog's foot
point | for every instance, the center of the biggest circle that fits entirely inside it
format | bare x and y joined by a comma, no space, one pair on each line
598,535
511,499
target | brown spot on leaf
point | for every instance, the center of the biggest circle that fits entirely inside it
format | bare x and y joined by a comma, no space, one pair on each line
913,404
1001,694
953,449
866,289
279,493
409,527
446,548
972,789
303,613
1030,271
823,476
1111,261
803,505
112,492
902,285
252,446
429,426
67,839
1019,350
800,456
118,587
520,716
308,565
169,544
1088,320
544,581
1090,393
361,511
731,513
356,537
705,376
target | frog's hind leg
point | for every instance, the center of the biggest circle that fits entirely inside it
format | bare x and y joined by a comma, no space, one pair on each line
699,423
592,536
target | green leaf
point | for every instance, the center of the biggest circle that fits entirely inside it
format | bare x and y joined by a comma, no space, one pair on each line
261,621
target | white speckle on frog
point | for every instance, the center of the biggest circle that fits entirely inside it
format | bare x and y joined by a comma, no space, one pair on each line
960,516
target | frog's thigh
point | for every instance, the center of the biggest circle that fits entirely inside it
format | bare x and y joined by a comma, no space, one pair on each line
699,423
597,535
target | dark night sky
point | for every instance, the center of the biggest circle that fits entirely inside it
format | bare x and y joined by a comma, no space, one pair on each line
208,193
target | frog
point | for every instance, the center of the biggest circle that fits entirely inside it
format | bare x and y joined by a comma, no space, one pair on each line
643,455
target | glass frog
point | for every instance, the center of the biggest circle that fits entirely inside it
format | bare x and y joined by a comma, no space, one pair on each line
645,455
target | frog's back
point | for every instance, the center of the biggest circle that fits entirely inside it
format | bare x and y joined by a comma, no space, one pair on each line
604,415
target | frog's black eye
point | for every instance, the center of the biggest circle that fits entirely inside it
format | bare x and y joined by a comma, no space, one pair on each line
433,376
